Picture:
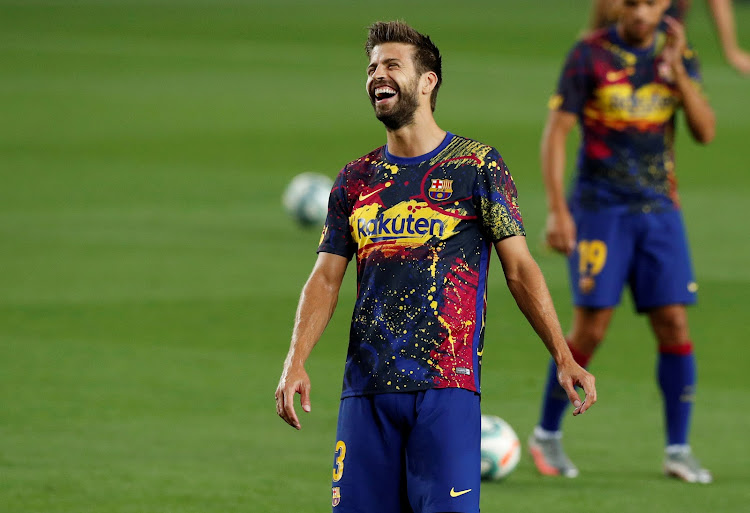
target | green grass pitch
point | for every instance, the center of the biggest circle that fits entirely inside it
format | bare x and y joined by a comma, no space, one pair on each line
148,276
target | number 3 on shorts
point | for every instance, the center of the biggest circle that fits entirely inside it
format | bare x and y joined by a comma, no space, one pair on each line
340,453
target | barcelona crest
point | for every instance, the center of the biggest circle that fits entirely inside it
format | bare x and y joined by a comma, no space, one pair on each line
336,496
440,190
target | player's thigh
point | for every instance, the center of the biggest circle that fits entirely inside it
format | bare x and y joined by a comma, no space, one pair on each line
443,461
589,328
368,462
662,270
598,266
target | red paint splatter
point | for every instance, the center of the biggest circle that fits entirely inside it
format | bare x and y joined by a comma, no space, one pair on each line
457,309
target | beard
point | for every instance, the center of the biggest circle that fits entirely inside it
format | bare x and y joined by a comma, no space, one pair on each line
402,112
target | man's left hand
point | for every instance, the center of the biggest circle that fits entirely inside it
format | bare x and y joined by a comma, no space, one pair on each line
572,375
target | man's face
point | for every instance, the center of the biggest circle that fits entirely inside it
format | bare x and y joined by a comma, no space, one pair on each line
640,18
392,84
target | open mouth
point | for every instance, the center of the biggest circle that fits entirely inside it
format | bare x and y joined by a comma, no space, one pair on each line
383,93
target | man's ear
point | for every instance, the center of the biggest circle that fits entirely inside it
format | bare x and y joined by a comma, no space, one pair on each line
428,82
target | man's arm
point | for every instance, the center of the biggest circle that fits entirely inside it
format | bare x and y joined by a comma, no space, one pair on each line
316,306
723,16
698,113
560,229
529,289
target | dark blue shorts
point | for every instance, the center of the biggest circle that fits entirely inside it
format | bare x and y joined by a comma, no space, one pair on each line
648,251
408,452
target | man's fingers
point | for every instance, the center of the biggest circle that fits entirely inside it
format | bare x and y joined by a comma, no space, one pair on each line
674,26
305,397
557,242
675,30
562,242
280,406
575,400
572,242
550,238
279,410
589,388
571,246
290,416
279,395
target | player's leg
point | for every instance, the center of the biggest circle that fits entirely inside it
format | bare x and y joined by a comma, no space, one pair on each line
443,461
662,286
545,443
675,369
368,463
677,379
598,270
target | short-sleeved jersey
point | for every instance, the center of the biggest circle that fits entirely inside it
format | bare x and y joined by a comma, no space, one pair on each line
626,102
422,229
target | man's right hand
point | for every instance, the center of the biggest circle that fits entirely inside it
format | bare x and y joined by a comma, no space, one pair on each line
294,380
561,231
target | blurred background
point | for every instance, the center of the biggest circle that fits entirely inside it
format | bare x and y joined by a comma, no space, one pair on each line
149,275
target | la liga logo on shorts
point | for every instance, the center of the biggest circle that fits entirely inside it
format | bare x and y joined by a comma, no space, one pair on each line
336,493
440,189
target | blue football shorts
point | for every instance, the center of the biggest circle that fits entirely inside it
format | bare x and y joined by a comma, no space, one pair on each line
648,251
408,452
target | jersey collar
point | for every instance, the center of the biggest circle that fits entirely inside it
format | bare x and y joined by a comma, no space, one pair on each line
407,161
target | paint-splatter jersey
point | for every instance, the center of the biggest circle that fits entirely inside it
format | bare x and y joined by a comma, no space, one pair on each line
626,102
422,230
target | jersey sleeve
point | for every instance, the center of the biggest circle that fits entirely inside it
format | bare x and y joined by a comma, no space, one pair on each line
336,237
575,82
496,199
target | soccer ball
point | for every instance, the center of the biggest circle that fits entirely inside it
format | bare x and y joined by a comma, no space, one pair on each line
501,448
306,198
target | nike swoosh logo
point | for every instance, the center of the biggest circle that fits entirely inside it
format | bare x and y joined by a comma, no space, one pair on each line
454,493
363,197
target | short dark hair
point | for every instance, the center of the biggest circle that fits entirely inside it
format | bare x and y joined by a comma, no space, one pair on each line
426,54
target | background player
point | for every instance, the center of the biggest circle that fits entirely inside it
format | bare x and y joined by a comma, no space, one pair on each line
623,84
422,214
604,13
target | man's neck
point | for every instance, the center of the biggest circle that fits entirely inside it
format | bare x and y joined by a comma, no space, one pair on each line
641,44
418,138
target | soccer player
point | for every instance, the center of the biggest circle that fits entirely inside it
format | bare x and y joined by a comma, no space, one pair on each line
622,222
604,12
421,214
